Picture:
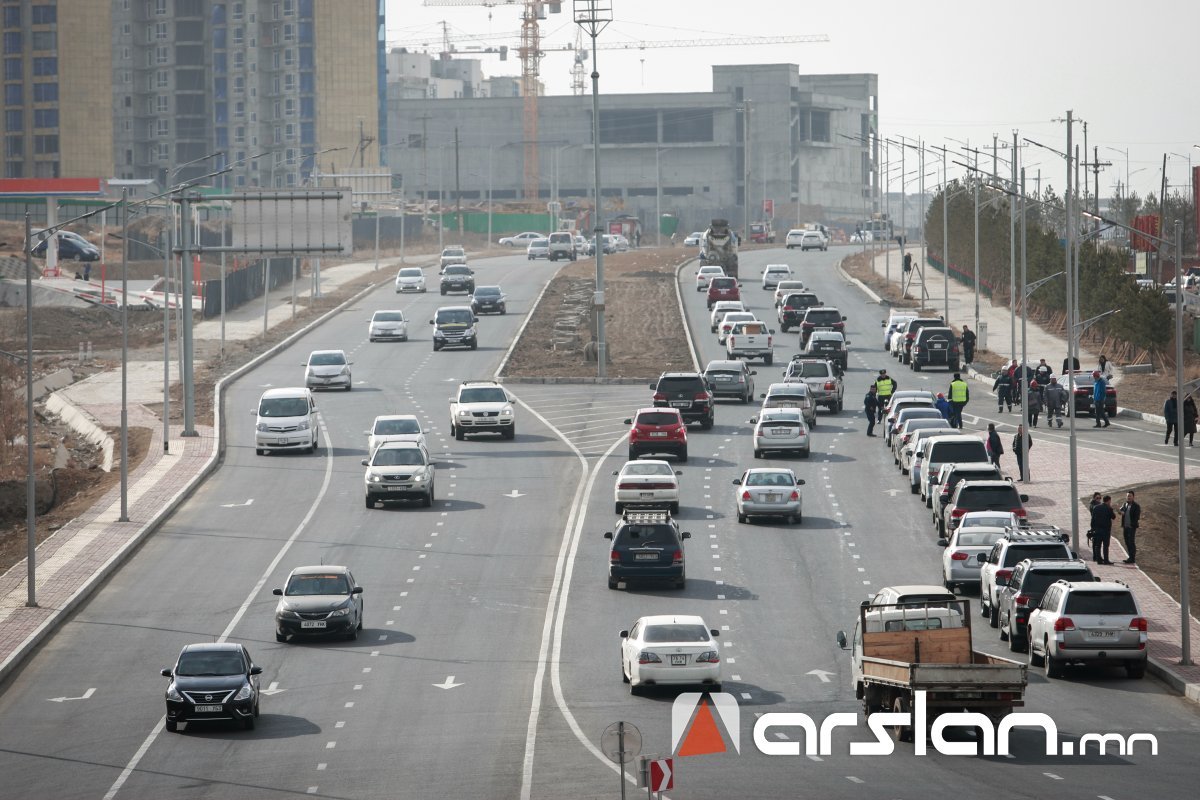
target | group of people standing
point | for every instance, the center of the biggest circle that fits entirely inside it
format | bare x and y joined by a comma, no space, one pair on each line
1171,413
1100,531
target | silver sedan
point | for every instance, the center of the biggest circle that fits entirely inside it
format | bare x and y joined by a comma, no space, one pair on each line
768,492
780,430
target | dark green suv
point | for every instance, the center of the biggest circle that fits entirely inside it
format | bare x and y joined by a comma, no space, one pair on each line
647,545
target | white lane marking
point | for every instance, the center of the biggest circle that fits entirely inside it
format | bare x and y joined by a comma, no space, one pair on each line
241,612
311,790
321,766
816,758
330,745
358,687
339,724
853,779
735,677
350,704
1052,776
731,661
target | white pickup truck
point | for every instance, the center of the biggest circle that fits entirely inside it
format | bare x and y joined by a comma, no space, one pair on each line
751,339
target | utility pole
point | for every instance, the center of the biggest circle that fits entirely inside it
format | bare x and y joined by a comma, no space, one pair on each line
746,164
1012,262
424,169
457,189
995,158
1073,497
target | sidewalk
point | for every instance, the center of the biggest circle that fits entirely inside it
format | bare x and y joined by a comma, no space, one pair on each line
77,558
1049,487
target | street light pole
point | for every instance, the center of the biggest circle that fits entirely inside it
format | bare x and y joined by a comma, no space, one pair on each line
658,196
1071,350
124,357
30,467
1185,627
946,236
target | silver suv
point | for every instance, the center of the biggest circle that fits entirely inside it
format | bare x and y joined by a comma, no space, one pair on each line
398,471
1017,545
1091,623
452,255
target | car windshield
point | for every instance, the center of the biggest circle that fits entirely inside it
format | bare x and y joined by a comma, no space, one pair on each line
712,270
317,584
823,317
657,418
647,468
455,317
487,291
982,497
490,394
453,251
211,663
924,412
398,457
719,374
389,316
1109,602
659,634
960,452
1050,550
540,243
283,407
978,539
827,341
457,269
388,427
810,370
680,384
411,272
647,536
987,522
1037,581
785,285
721,282
737,316
780,418
776,268
769,479
326,359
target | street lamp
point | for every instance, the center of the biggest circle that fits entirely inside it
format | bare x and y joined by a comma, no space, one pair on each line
593,16
658,151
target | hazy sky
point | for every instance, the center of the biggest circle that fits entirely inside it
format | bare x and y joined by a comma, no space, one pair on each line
965,70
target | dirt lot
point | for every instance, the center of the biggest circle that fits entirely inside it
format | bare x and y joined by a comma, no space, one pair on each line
642,325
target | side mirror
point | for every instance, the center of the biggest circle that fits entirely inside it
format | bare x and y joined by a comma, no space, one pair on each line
277,592
685,535
628,422
981,558
608,534
256,670
800,481
356,590
753,420
653,386
254,412
737,481
841,639
1024,498
770,330
763,396
430,322
714,632
843,317
166,673
474,319
883,323
616,472
624,634
366,433
678,472
753,372
943,542
364,462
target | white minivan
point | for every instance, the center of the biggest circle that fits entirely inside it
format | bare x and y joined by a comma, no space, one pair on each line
286,419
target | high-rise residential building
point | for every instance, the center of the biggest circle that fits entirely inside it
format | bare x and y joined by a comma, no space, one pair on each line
57,84
267,84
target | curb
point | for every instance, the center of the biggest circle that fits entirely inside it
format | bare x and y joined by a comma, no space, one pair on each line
862,286
101,575
1164,672
687,330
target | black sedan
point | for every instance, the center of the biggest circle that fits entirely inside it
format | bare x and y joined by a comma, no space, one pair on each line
212,681
319,601
488,300
1082,385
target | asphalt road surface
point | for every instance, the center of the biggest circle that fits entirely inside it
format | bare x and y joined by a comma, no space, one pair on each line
488,666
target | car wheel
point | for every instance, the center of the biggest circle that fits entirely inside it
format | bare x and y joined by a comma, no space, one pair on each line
624,676
256,707
352,635
474,344
258,451
633,456
428,502
948,585
994,617
172,726
706,424
280,637
683,457
370,503
912,488
1136,669
768,360
248,723
1015,644
758,453
805,453
612,583
741,518
459,435
1054,668
916,367
681,584
1035,660
635,690
511,433
436,347
790,519
618,508
443,292
784,328
902,733
1004,637
745,398
837,408
674,509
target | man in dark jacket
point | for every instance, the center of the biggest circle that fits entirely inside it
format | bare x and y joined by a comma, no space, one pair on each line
1131,516
871,408
968,345
995,448
1042,373
1003,389
1171,413
1102,520
1056,402
1021,443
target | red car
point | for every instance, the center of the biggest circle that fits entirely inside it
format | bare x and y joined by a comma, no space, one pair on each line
723,288
657,430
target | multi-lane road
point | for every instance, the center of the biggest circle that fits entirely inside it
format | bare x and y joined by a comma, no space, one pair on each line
488,666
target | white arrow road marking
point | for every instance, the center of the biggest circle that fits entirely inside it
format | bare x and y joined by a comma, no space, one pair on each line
273,688
249,502
83,696
265,385
448,683
820,673
892,492
514,494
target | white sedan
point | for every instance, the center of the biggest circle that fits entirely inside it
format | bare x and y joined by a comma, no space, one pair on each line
706,274
670,650
694,239
520,240
769,492
387,325
720,309
646,483
394,428
410,279
774,273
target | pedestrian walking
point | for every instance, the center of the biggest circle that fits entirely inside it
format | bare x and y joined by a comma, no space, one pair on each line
994,447
960,395
1055,399
1189,419
1021,444
871,408
1105,368
1003,389
943,407
1067,365
968,344
1171,415
1042,373
885,387
1131,517
1102,520
1036,400
1099,398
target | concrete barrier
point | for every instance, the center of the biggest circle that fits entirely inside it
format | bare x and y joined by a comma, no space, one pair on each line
83,424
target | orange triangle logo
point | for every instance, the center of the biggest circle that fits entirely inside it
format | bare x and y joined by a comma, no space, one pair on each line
703,737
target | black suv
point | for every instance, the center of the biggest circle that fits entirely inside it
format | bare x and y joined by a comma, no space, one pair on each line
458,278
821,319
689,393
647,545
935,347
792,308
212,681
1029,581
911,328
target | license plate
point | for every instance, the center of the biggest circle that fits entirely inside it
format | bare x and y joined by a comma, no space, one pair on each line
645,557
937,346
679,660
680,404
1098,635
208,709
658,433
396,488
968,695
721,379
313,623
781,431
772,498
646,494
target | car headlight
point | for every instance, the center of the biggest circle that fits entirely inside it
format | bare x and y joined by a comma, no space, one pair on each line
262,426
345,371
507,412
373,478
303,425
173,693
340,612
421,475
470,331
437,334
284,612
245,693
463,412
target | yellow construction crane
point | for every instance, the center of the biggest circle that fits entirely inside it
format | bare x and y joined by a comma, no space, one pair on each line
531,53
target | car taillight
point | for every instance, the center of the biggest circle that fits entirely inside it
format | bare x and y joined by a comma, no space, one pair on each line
945,492
807,325
957,512
614,557
1063,624
1021,600
830,386
633,434
795,495
646,657
709,657
1138,624
677,557
907,436
908,337
745,495
1003,575
789,308
700,396
958,555
1020,512
659,396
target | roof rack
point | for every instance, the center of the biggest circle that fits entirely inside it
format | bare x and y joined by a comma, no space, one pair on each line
643,516
1041,532
481,381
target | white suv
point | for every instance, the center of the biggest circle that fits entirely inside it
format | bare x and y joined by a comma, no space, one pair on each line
562,245
1012,549
1092,623
482,407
